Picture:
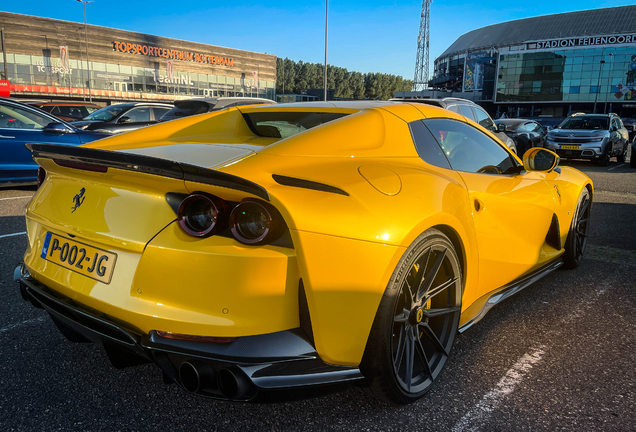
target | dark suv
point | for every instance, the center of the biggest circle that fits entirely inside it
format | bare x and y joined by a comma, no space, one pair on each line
590,136
471,111
187,107
123,117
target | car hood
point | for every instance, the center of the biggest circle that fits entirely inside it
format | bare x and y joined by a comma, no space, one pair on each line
201,155
577,133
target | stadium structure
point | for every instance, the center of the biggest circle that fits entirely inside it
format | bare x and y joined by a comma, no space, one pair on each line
548,65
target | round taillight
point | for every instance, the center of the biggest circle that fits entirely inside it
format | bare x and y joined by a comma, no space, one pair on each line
199,214
41,176
253,222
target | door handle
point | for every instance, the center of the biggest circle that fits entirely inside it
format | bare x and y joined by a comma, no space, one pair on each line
4,136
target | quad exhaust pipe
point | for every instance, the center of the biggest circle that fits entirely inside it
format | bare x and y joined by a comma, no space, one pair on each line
233,383
197,376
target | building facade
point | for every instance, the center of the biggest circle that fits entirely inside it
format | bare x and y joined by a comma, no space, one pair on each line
46,58
551,65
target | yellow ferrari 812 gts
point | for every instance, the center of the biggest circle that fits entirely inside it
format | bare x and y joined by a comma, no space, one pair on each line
292,245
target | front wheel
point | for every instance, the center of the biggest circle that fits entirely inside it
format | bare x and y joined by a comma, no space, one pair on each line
605,157
416,323
579,229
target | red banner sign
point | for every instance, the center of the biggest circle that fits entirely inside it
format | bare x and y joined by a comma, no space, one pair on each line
4,89
82,91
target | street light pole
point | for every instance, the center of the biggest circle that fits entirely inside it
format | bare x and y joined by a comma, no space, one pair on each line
609,90
326,31
598,84
88,63
79,41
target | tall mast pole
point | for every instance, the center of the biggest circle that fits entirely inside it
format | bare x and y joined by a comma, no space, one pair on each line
420,81
326,32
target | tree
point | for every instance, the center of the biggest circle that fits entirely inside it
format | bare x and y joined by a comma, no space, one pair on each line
301,76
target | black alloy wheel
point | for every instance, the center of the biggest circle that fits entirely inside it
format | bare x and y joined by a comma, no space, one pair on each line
579,229
417,321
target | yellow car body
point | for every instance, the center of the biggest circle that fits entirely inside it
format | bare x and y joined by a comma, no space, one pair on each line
345,245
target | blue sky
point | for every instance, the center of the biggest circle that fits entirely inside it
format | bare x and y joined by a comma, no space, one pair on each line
365,36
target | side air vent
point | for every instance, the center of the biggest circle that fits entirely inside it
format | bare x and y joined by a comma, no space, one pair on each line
553,238
307,184
303,310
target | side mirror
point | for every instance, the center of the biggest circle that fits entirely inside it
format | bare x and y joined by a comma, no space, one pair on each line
55,128
501,127
614,128
540,159
124,119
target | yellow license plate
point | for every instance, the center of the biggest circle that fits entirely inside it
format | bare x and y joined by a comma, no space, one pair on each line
79,257
569,147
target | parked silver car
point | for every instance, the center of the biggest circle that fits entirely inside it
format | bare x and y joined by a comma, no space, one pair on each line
596,137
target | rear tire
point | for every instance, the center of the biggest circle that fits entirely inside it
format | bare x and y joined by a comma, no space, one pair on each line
579,229
416,323
632,157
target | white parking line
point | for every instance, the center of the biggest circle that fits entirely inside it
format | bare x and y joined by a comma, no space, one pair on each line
13,235
491,400
12,326
477,417
617,166
20,197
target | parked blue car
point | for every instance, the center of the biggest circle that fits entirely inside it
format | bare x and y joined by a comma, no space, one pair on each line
21,124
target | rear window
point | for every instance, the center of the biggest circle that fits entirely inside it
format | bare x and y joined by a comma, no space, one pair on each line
286,124
188,109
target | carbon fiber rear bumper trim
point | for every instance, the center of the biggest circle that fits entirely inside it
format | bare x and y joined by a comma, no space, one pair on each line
279,360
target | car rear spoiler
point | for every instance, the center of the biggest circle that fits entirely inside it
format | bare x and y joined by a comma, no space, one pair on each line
147,165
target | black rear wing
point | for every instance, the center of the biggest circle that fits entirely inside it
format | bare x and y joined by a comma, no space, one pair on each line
147,165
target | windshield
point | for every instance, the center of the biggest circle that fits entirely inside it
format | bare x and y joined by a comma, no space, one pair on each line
587,123
107,113
286,124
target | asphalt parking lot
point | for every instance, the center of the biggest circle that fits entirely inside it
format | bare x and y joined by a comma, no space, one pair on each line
560,355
